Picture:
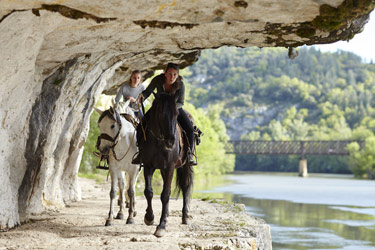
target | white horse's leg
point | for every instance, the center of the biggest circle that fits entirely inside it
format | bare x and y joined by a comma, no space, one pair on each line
127,176
112,196
132,173
121,185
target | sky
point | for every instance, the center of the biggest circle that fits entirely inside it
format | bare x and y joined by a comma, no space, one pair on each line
363,44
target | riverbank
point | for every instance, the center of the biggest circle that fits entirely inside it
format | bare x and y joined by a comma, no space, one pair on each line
214,225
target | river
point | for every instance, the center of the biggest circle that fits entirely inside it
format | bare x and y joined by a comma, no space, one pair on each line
318,212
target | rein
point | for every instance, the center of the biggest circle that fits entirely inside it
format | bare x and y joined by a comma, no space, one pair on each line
127,151
139,99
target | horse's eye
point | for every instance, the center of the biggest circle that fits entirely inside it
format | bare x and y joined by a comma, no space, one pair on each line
113,126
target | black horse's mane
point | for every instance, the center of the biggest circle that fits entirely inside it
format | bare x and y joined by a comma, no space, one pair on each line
164,99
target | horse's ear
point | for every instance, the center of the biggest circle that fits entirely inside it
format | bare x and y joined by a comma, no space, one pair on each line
111,110
126,103
100,112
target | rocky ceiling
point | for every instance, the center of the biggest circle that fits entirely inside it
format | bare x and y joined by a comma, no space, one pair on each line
57,57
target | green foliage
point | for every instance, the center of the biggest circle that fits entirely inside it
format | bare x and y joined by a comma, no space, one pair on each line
211,153
316,96
363,161
89,161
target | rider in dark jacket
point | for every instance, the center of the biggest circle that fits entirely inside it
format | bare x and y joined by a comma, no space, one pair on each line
170,82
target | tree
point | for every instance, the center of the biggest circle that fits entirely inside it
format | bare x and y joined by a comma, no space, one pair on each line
362,161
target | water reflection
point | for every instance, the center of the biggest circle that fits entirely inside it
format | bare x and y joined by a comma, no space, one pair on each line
308,226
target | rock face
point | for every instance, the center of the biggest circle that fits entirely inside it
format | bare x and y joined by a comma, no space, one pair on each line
57,57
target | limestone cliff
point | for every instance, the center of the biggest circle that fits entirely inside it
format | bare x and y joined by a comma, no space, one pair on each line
57,57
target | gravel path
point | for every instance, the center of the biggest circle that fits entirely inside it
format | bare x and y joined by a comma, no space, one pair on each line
80,225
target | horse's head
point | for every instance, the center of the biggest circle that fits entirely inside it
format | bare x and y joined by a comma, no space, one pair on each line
110,125
164,118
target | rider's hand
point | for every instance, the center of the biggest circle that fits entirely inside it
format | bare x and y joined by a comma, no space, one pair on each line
131,99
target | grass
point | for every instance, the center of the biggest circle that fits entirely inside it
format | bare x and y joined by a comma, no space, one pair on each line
99,178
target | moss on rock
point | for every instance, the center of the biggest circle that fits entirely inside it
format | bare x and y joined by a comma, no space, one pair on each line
332,18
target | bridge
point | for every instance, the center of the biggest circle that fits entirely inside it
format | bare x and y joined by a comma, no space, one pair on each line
302,148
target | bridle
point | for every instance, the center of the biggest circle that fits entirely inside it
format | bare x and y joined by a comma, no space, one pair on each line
113,115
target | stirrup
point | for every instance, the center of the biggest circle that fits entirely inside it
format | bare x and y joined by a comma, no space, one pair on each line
104,167
190,159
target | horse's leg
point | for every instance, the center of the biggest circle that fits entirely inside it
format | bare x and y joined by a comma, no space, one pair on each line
121,185
131,193
149,216
186,179
112,196
167,175
136,174
127,176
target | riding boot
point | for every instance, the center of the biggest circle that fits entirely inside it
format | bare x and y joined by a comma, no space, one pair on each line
137,158
190,158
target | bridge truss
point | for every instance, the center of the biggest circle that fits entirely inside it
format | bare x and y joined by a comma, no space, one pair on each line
259,147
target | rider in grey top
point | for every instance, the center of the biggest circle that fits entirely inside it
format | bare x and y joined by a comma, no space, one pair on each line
130,91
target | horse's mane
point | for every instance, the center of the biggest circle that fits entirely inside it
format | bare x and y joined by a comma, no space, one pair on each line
164,99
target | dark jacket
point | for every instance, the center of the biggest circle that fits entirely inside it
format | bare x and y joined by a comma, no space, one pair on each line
178,88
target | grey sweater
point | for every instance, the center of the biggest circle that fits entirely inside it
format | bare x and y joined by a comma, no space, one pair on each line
126,90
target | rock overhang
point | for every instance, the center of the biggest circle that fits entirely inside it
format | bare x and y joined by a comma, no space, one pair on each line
182,28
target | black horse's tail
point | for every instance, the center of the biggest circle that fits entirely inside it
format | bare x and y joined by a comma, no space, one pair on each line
184,181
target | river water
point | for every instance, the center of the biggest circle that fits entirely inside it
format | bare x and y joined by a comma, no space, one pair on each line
318,212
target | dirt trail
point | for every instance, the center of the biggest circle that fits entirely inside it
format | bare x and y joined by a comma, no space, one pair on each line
81,226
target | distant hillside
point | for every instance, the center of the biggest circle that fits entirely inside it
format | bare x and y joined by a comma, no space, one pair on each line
265,95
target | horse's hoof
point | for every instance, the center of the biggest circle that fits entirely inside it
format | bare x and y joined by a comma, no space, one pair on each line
120,216
109,223
130,221
134,213
159,232
185,221
149,223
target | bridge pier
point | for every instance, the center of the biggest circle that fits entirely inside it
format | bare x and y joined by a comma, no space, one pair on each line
303,162
303,168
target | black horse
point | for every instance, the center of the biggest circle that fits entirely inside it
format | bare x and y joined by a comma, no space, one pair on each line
162,151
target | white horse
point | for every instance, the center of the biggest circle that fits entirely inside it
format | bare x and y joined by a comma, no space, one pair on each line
117,143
